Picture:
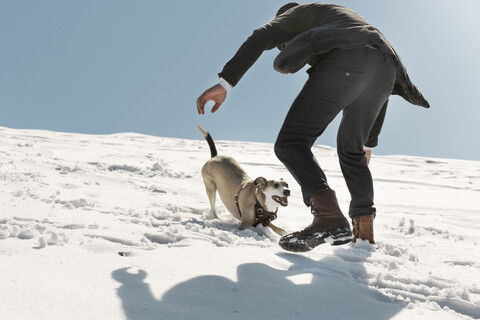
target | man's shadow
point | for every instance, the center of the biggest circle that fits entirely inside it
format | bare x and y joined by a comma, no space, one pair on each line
263,292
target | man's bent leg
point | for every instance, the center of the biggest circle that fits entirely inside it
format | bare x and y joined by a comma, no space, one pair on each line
306,120
357,121
330,87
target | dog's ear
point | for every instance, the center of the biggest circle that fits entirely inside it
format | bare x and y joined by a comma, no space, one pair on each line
261,182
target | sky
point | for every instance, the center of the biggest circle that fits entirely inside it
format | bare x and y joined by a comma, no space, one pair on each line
110,66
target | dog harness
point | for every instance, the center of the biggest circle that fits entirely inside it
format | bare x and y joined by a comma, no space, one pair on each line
262,216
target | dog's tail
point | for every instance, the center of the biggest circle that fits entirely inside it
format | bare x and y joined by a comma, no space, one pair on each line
207,136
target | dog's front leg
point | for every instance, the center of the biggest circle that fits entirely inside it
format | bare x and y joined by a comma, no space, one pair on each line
244,226
278,230
248,216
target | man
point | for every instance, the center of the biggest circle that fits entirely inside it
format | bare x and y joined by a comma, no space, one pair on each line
354,70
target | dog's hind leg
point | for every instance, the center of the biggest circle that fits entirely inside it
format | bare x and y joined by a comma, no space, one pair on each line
211,189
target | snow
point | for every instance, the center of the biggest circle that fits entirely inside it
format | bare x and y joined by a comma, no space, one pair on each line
70,203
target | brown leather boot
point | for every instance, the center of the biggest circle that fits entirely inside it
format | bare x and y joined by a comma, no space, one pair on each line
329,225
363,228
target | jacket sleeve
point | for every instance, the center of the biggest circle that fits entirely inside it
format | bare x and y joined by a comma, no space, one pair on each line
278,31
372,141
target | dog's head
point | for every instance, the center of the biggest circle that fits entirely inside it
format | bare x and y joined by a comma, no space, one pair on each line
273,193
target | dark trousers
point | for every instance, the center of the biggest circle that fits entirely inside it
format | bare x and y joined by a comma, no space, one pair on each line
356,81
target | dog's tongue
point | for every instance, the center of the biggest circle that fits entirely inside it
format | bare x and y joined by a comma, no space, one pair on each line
282,200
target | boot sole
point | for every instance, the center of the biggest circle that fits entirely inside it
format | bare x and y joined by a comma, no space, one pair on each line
304,243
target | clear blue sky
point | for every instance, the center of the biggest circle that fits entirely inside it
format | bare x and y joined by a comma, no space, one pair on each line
138,66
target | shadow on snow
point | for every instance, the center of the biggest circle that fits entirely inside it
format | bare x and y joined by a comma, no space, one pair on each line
261,292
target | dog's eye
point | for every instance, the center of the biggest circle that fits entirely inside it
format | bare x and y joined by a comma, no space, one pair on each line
275,185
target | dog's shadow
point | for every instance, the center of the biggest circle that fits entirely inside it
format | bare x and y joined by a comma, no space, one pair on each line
262,292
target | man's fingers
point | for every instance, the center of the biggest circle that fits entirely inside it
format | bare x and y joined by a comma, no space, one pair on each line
368,155
199,108
216,106
201,105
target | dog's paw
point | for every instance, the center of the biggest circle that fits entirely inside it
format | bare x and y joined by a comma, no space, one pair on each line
210,215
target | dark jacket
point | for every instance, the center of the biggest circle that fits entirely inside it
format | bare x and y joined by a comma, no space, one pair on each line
309,30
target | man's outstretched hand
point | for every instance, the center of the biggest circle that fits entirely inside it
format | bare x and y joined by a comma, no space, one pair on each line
217,94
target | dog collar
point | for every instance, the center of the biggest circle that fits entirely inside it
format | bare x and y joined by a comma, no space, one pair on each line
236,198
262,216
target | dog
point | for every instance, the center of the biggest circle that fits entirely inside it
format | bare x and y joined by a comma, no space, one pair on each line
252,202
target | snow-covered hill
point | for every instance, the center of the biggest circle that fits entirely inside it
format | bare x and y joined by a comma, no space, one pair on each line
69,203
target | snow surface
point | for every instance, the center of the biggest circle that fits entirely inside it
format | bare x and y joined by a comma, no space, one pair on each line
69,203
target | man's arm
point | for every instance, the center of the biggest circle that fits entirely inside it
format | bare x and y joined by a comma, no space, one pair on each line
372,141
280,30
